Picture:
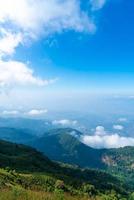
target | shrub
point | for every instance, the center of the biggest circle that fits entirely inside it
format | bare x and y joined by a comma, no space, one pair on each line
89,189
59,185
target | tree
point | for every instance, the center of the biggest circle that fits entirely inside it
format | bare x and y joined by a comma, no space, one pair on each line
89,189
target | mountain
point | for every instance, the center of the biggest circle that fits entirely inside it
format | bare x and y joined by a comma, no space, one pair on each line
121,163
35,126
64,147
23,158
69,131
27,160
16,135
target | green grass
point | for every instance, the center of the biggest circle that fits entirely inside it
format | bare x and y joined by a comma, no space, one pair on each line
22,194
14,186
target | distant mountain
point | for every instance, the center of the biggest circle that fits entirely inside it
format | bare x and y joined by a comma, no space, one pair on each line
35,126
69,131
16,135
64,147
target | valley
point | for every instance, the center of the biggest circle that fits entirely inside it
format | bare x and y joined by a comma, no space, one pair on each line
59,155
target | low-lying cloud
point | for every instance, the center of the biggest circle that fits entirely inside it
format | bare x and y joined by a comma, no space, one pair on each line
65,122
10,112
102,139
36,112
122,119
118,127
31,113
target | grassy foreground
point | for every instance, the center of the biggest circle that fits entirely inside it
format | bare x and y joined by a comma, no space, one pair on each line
14,186
22,194
26,174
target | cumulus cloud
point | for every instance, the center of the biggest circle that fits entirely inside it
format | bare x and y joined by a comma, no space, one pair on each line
8,42
24,20
17,73
31,19
36,112
97,4
102,139
118,127
65,122
100,130
107,141
34,18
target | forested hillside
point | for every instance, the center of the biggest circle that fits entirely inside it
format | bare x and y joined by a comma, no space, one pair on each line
25,171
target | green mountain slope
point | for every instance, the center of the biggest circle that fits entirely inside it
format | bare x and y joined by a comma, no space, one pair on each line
16,135
26,159
23,158
120,162
66,148
63,145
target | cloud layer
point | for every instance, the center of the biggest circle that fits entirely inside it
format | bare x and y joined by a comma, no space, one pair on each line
36,112
101,139
31,113
10,112
118,127
65,122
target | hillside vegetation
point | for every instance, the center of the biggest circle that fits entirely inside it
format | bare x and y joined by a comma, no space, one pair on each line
28,173
63,145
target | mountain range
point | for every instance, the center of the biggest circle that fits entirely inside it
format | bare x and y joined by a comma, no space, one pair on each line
27,160
64,145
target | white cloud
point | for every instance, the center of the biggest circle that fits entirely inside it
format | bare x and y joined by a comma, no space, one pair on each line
101,139
36,112
33,112
122,119
10,112
97,4
118,127
8,42
65,122
107,141
100,130
25,20
14,73
29,20
33,18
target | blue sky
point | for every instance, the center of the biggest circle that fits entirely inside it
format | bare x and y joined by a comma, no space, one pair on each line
103,59
67,47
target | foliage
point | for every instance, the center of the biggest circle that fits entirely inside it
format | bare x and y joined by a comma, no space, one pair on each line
28,171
